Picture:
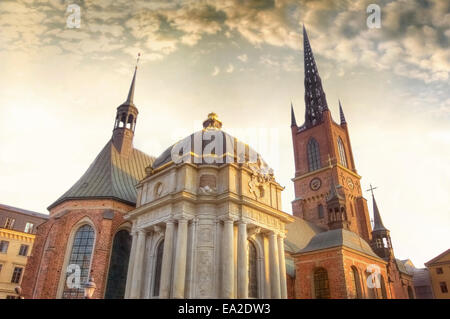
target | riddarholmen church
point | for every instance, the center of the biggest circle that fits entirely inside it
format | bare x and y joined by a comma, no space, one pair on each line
209,224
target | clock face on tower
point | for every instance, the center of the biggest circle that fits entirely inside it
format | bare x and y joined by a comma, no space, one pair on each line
315,183
350,183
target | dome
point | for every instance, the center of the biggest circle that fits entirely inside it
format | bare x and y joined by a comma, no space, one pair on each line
211,146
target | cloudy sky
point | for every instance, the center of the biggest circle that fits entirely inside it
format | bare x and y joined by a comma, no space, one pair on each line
242,59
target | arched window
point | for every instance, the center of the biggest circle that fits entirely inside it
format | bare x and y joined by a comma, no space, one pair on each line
118,266
130,121
343,159
320,210
356,282
123,120
158,266
252,271
371,293
313,155
80,254
383,287
321,284
410,293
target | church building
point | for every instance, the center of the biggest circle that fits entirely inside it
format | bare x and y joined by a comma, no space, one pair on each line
204,219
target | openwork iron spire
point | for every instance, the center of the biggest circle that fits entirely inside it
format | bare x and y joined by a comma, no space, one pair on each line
315,100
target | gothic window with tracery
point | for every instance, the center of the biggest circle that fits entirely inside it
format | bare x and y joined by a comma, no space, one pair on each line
343,159
313,155
80,255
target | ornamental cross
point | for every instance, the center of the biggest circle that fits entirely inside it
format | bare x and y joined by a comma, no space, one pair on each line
371,189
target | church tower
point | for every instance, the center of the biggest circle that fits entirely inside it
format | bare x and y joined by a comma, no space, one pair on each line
381,238
324,160
125,123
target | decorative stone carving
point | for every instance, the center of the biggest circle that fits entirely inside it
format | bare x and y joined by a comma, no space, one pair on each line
207,184
204,273
260,177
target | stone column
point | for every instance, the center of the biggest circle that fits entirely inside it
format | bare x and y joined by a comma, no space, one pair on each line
282,260
138,265
227,260
131,265
242,261
166,265
179,276
274,266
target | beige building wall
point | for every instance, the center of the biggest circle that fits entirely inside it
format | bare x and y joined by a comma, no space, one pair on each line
12,260
439,269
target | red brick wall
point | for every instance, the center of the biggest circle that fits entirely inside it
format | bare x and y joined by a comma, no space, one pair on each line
338,262
327,134
44,267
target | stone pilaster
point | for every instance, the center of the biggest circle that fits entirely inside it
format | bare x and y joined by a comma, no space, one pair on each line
166,268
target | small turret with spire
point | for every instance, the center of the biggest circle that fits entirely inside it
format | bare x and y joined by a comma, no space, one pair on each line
381,238
125,123
336,207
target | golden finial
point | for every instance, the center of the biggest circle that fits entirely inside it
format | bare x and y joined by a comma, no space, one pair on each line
212,122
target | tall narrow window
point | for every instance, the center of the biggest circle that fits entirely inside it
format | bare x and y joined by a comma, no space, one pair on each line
410,293
4,246
252,271
23,250
383,288
29,228
118,266
371,292
9,224
17,275
356,282
80,255
443,286
321,284
313,155
342,158
158,267
320,210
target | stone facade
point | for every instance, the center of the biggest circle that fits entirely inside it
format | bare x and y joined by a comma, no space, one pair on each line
206,215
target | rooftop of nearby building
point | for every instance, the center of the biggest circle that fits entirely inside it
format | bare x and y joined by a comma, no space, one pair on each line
110,176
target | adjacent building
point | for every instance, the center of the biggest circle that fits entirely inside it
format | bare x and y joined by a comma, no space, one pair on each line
17,233
439,270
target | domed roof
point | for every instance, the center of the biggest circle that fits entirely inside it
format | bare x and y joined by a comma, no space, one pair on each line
211,146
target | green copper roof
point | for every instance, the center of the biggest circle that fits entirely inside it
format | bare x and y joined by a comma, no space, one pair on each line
111,176
338,238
